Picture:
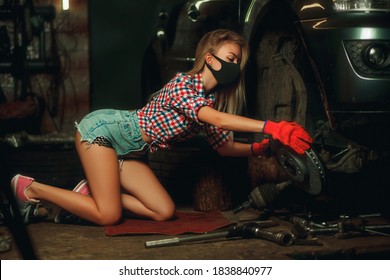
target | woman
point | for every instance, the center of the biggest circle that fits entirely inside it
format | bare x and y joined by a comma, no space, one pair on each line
206,98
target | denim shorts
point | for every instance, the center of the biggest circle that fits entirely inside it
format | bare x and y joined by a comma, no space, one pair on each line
118,128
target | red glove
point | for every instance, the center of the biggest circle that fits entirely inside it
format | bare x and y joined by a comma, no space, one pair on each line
260,149
290,134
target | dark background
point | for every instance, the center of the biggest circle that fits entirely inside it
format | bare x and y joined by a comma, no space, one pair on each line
119,33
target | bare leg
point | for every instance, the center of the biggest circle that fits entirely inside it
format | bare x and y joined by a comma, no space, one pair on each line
102,171
146,196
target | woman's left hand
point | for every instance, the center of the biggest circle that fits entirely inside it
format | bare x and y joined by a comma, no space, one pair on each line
260,148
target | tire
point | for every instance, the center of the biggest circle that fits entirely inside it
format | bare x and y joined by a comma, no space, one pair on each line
284,84
281,93
281,79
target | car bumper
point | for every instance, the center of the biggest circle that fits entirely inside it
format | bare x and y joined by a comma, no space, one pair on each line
337,45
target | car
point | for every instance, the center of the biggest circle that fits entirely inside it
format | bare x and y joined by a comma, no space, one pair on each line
320,63
179,27
324,64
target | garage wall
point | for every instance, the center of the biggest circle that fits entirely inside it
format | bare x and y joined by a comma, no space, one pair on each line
101,47
119,32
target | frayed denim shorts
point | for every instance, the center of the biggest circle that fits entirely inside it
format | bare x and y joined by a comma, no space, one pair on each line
117,129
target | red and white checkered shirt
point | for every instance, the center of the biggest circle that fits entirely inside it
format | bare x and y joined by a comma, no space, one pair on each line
172,115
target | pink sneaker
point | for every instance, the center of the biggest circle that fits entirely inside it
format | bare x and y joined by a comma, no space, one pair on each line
81,187
28,207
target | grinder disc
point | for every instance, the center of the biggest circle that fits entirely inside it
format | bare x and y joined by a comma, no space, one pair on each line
305,170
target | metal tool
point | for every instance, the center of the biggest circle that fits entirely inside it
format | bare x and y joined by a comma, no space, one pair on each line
306,224
362,216
341,229
247,230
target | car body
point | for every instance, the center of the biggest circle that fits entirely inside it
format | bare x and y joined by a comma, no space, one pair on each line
324,64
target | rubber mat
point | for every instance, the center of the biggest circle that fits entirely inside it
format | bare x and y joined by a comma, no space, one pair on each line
183,222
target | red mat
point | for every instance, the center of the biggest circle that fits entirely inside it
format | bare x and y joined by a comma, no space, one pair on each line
184,222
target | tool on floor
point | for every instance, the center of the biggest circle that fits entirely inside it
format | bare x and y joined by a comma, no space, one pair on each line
247,230
306,224
298,227
341,229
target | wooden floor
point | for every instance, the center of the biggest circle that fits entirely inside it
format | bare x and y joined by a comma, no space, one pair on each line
50,241
81,242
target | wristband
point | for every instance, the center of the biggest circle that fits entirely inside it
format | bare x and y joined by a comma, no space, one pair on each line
262,131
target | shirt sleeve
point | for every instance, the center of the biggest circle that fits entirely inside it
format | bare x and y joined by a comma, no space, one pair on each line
217,137
187,100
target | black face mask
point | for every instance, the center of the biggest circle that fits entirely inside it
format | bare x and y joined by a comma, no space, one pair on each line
228,73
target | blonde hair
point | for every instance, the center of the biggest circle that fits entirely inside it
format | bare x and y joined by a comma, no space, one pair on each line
229,99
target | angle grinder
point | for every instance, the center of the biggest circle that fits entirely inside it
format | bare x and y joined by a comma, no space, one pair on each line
305,171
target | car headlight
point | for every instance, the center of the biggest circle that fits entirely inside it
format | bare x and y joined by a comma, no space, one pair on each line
377,55
369,58
361,5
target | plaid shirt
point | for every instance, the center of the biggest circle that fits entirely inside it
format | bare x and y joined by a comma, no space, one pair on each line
172,115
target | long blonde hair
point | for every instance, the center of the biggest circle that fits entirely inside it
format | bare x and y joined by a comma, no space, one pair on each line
229,99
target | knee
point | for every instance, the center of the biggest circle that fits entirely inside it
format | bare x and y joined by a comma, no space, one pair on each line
110,219
165,214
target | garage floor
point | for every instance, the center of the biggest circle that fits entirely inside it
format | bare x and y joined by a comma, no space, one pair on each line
70,241
351,194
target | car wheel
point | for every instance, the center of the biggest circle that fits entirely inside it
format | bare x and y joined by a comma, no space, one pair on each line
281,93
284,83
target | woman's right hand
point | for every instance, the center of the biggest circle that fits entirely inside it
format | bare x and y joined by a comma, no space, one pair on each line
290,134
